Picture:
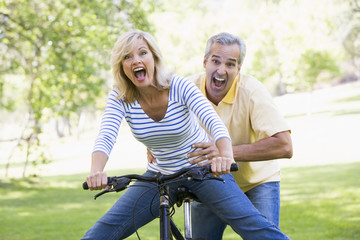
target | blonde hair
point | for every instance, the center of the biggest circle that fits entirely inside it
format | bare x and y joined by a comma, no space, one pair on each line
123,46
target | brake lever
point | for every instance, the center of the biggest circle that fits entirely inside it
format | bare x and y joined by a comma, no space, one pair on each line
116,185
196,174
103,192
218,179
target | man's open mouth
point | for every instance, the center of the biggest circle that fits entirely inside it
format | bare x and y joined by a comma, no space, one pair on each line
218,82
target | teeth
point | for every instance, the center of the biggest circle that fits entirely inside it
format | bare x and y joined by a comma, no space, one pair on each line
219,79
138,69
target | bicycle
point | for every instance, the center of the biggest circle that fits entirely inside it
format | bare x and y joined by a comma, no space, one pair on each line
184,197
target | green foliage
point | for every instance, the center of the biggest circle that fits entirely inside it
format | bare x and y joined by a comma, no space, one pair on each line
62,49
351,41
314,65
276,34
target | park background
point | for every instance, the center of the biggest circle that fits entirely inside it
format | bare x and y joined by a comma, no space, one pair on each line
55,76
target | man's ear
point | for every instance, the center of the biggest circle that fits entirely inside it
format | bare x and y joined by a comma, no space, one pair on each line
204,62
239,68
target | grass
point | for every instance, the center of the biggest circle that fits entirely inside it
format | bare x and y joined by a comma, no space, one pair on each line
318,202
323,201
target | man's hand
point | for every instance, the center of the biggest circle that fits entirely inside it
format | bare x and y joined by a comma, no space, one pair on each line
207,152
150,157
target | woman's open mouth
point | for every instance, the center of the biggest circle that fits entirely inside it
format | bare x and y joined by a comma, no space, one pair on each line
139,73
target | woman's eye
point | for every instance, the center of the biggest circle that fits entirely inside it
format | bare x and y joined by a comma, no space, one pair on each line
143,53
127,57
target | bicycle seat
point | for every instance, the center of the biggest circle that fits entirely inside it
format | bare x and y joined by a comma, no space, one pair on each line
184,193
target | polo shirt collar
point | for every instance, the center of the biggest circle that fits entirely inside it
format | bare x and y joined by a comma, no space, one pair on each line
229,97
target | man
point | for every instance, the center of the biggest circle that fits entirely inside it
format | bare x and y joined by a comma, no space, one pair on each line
258,131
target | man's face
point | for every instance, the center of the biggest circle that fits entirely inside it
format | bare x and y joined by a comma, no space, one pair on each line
221,69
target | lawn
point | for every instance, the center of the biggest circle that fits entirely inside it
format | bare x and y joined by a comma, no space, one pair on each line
318,202
320,187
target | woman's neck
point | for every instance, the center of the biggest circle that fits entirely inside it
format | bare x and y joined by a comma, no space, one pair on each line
154,103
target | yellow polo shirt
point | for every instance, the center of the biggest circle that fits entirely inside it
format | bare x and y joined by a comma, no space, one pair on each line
250,114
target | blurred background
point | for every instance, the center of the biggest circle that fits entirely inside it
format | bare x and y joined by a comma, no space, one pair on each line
55,76
55,73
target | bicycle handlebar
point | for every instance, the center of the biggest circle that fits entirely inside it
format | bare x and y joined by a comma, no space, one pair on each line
161,178
119,183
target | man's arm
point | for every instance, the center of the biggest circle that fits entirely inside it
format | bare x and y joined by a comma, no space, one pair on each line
277,146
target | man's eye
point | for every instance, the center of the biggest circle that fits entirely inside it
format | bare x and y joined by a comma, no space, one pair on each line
215,61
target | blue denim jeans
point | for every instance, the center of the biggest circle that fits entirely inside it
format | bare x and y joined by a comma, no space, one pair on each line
265,197
140,203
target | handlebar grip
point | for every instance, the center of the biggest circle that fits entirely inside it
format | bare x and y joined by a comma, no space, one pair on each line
234,167
86,187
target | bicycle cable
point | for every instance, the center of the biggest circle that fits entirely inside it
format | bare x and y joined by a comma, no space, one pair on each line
157,186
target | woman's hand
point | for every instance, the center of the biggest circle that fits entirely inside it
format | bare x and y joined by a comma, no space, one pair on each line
97,180
210,155
219,165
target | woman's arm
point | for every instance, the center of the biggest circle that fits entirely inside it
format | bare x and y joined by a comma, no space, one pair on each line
221,165
97,179
105,141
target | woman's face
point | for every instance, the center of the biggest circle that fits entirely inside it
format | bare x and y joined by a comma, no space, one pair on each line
139,65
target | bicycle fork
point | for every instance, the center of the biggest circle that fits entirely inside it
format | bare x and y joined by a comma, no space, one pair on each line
187,219
187,223
165,230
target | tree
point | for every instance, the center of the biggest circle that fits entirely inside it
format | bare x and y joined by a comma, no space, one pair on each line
351,41
61,48
316,66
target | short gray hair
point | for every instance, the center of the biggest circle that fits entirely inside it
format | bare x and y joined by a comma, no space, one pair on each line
225,38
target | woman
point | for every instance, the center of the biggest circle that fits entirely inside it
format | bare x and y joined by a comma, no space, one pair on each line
163,111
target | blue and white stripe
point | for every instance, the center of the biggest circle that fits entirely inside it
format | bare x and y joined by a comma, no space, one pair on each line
171,138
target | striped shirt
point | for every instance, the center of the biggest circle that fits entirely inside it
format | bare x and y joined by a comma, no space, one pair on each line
171,138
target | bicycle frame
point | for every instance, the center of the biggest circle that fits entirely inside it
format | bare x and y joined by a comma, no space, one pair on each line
167,226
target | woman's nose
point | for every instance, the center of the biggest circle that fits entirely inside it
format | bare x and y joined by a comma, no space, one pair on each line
136,60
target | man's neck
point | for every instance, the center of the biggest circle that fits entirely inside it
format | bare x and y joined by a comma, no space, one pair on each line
214,99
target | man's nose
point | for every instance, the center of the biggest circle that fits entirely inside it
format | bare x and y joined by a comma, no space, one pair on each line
221,70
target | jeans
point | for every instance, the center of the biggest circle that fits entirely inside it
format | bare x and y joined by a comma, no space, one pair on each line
140,203
265,197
